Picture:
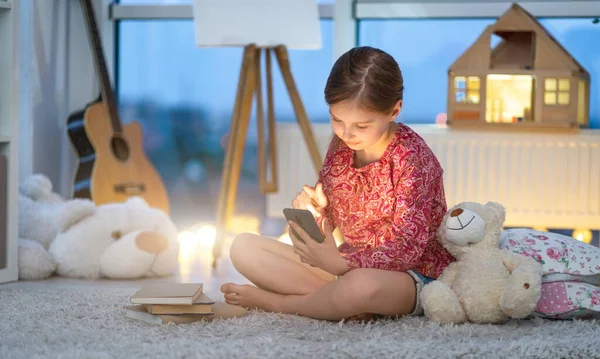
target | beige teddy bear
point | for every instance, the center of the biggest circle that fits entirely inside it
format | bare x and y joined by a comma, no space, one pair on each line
486,284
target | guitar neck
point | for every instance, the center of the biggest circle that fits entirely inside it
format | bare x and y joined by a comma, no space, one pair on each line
100,64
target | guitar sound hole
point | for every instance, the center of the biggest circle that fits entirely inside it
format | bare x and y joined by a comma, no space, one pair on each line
119,148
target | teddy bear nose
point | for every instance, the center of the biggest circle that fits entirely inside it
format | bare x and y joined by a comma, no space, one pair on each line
151,242
456,212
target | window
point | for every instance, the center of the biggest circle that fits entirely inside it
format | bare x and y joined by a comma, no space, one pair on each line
425,59
183,96
556,91
467,89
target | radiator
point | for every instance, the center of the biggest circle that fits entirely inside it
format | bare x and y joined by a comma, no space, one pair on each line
549,180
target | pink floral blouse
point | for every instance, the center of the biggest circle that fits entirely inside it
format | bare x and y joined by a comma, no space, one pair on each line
389,210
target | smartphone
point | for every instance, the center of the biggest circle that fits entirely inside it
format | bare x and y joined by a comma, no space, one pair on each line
305,219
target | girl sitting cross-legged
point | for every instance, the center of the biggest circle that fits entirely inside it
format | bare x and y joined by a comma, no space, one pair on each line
381,185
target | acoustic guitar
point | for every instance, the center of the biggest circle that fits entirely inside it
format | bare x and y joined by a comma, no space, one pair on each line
112,163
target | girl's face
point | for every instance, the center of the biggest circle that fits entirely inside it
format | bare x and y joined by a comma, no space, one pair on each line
360,129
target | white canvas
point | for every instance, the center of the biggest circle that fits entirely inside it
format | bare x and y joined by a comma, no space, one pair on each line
293,23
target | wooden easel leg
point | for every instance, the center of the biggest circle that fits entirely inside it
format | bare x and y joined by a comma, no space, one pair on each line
274,185
303,121
235,148
260,124
264,185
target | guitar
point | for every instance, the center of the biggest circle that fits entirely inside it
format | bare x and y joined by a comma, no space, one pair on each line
112,163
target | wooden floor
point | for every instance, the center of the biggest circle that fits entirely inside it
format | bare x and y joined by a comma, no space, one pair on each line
196,266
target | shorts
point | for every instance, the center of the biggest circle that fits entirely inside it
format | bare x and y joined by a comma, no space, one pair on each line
420,282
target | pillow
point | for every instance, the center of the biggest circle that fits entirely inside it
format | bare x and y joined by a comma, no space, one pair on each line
568,300
563,258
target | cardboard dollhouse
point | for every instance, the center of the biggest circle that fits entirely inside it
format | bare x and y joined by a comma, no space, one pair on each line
517,76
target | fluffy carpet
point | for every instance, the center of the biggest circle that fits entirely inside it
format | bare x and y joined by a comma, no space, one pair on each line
89,323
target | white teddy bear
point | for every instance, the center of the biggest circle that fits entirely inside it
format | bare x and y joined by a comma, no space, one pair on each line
38,223
486,284
117,240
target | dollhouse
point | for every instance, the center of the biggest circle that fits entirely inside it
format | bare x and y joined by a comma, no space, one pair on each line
517,76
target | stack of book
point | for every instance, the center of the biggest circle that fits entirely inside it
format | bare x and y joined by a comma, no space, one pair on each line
163,303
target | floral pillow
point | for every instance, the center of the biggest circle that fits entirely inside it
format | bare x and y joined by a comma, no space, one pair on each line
568,300
562,257
571,272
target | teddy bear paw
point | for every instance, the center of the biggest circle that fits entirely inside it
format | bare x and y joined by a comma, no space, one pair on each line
34,261
521,293
441,304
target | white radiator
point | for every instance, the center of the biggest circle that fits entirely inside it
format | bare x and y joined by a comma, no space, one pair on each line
549,180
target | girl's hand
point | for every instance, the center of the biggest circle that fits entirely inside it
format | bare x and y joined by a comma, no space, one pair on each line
312,199
322,255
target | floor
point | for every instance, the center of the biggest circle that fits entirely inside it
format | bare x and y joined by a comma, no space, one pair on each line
196,266
193,210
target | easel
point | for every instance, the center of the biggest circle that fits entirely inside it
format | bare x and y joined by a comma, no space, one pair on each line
249,83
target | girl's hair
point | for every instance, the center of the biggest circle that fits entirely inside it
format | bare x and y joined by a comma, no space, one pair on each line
368,75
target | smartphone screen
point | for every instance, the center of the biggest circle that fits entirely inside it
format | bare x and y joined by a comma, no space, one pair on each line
305,219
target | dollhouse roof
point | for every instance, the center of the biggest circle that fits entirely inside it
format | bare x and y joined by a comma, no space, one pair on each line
524,44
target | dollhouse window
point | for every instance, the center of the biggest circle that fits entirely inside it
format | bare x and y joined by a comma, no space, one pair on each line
556,91
467,89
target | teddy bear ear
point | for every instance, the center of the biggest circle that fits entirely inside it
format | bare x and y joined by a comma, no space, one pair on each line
74,211
499,209
35,186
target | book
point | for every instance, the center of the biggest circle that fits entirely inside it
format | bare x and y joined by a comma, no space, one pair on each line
138,312
168,293
219,310
202,306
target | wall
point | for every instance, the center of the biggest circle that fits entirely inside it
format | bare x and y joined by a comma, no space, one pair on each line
58,78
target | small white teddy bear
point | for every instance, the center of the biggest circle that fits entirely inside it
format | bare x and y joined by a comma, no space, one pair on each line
486,284
38,220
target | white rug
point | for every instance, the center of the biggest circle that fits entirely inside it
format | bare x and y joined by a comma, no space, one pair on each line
89,323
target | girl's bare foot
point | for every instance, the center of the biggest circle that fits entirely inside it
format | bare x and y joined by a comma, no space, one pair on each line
251,297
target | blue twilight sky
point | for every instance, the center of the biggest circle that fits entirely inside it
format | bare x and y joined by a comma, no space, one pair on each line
159,64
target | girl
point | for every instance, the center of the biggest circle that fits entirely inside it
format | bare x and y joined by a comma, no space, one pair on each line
381,185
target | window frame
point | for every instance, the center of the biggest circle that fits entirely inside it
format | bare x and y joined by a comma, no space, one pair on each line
398,9
467,89
557,91
182,11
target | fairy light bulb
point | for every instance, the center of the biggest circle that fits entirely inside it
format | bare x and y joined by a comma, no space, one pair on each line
583,235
